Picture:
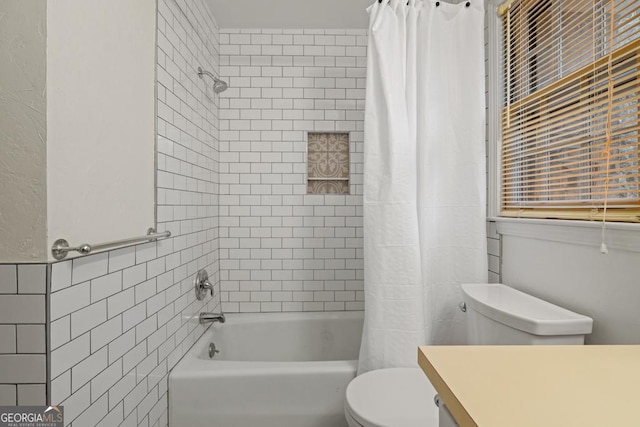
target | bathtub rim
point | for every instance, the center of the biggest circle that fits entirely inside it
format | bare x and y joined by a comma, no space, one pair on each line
191,365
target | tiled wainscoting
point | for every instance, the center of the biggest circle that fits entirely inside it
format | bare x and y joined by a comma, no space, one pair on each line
23,345
122,319
282,249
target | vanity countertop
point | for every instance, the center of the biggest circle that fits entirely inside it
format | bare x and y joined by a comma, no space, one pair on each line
536,386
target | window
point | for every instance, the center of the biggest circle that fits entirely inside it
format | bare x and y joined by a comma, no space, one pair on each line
328,163
570,118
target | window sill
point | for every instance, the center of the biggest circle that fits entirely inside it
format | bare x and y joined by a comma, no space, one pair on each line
620,236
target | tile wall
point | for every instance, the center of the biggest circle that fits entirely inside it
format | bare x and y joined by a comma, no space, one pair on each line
494,248
122,319
494,242
23,344
280,248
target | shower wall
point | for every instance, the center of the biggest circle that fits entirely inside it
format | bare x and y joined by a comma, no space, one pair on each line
282,249
122,319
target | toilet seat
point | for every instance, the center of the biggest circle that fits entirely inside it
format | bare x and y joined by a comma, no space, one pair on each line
392,397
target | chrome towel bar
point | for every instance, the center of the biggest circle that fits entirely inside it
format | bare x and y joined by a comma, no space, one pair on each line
61,247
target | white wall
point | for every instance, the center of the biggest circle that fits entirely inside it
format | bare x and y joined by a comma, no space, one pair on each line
23,131
569,270
100,119
561,262
280,248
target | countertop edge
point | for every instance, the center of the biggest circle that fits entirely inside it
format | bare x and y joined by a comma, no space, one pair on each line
454,406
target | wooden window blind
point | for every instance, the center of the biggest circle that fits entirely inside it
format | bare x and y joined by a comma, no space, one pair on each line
570,120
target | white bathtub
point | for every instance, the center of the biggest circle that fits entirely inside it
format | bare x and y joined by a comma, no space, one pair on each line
273,370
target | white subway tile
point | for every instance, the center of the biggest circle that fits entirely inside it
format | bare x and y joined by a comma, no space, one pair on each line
103,334
7,339
94,413
31,339
8,279
134,275
77,403
126,257
106,379
61,388
32,278
114,418
146,328
22,368
69,354
8,394
32,394
134,316
61,275
145,252
90,267
134,398
106,286
87,318
22,309
88,368
145,290
120,302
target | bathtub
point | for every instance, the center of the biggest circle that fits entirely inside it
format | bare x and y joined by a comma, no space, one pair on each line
273,370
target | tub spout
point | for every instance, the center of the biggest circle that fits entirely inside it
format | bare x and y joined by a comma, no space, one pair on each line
211,318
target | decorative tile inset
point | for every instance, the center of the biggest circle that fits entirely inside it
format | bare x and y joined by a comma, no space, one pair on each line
328,163
328,187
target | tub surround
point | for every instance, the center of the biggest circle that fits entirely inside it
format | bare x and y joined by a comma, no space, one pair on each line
282,249
532,386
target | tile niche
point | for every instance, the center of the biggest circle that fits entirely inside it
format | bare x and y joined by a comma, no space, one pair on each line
328,163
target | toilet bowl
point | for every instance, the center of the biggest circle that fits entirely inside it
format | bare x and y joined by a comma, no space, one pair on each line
495,315
391,397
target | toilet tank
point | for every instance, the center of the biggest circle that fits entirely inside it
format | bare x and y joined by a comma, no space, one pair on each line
497,314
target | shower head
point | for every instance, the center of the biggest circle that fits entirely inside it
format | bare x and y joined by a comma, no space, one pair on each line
218,85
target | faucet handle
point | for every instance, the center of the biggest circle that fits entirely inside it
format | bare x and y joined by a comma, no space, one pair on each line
202,284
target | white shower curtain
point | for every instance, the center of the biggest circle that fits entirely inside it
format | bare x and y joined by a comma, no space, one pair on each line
424,175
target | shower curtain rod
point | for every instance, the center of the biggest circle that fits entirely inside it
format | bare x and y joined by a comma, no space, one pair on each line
437,3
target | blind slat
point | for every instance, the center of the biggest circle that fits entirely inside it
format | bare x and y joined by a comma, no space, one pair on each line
570,123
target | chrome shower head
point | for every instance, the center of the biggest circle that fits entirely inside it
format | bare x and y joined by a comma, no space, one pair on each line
218,85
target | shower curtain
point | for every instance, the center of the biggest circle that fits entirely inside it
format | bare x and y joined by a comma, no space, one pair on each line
424,175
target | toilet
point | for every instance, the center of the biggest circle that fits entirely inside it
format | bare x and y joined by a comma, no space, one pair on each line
496,314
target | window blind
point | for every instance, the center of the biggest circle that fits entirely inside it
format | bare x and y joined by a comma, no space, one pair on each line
570,120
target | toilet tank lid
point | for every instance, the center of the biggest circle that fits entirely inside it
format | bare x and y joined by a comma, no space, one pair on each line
524,312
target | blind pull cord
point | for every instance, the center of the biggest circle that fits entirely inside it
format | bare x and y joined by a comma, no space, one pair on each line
607,149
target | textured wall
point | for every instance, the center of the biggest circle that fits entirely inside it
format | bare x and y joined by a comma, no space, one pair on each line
282,249
23,131
122,319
